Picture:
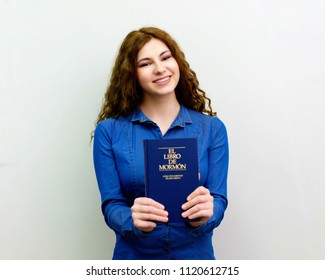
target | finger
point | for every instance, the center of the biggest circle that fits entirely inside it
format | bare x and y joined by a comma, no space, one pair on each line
149,217
143,211
147,213
152,214
148,201
193,210
156,218
203,214
195,200
198,191
190,199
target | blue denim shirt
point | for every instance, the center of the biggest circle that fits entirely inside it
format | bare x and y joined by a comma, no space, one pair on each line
119,167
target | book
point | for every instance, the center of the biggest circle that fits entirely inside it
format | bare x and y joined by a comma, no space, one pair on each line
171,173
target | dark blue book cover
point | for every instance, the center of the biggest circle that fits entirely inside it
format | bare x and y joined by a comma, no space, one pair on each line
171,172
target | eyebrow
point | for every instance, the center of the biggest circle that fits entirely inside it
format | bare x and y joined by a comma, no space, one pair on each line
148,58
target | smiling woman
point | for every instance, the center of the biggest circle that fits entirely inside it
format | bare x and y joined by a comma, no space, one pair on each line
157,72
154,94
158,76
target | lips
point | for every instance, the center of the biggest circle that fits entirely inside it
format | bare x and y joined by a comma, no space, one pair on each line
162,80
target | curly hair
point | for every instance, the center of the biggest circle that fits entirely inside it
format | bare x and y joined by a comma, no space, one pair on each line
124,93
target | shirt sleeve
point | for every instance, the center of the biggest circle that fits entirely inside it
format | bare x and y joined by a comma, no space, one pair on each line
218,173
116,211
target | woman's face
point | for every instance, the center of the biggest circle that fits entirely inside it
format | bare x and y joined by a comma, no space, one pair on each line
157,69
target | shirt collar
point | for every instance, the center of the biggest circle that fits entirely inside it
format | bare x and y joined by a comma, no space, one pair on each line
182,118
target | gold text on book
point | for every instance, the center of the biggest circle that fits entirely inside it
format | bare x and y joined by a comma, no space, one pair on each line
172,161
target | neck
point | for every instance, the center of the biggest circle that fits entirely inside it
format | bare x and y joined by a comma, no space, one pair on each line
162,111
160,106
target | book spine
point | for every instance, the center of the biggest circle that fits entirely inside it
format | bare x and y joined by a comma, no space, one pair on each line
146,177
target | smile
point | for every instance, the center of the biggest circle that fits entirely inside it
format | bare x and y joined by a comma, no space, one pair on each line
162,80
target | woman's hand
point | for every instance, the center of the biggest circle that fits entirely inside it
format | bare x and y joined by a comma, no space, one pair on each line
199,205
145,212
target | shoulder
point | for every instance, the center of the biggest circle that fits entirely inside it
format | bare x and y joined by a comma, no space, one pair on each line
110,126
115,122
206,120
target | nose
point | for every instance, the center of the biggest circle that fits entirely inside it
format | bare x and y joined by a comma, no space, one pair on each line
159,68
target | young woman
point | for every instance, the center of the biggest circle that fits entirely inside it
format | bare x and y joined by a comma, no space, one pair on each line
154,94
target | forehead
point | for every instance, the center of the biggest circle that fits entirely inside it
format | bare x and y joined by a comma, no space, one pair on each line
153,48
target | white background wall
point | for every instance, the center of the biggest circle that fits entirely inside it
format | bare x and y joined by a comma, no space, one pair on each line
262,63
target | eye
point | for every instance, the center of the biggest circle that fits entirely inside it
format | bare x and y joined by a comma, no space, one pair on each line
166,57
144,64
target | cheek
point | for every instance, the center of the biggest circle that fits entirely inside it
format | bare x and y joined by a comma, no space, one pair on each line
176,71
174,66
140,78
144,79
143,76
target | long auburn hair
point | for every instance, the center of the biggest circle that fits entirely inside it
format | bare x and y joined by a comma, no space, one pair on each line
124,94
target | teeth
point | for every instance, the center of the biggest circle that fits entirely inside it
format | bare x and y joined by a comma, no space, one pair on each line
162,80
